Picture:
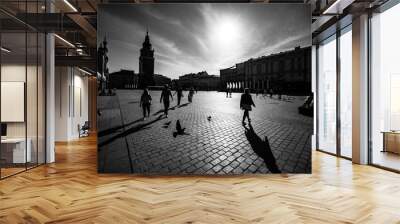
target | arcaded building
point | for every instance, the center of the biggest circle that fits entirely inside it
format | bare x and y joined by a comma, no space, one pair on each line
286,72
199,81
124,79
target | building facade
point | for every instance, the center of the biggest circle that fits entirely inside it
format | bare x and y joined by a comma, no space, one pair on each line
161,80
286,72
124,79
146,64
199,81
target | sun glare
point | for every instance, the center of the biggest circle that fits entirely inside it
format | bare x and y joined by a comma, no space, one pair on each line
227,39
226,31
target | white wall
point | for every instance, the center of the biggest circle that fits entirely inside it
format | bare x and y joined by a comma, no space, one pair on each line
17,72
71,102
62,81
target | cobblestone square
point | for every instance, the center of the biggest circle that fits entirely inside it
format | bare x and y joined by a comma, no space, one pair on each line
215,142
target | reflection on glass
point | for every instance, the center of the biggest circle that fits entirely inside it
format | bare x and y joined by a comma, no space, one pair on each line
385,93
327,96
346,94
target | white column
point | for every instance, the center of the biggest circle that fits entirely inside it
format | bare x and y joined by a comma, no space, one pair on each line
50,92
360,90
50,98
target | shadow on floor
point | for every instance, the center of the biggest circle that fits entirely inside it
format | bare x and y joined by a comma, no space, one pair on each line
262,149
129,131
179,130
162,110
183,105
116,128
166,125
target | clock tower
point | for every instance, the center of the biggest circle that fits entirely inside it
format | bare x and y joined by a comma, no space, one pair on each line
146,64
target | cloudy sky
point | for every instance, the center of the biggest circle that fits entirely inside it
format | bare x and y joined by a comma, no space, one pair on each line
196,37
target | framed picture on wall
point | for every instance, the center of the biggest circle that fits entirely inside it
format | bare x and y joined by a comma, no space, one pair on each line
204,88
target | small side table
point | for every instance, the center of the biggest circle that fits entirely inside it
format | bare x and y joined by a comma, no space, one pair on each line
391,141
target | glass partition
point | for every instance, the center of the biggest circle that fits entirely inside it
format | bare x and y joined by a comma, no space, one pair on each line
385,89
22,107
327,95
13,95
345,50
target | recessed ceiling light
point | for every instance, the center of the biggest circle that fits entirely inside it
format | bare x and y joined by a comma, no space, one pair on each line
70,5
84,71
5,50
64,40
337,7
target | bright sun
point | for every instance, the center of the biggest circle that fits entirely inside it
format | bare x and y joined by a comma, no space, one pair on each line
226,31
226,38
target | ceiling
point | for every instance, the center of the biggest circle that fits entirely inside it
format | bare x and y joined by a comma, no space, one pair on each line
76,20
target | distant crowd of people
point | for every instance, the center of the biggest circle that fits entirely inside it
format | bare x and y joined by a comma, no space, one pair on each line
166,95
263,92
246,101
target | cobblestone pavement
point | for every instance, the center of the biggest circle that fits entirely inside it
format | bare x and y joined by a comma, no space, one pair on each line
279,141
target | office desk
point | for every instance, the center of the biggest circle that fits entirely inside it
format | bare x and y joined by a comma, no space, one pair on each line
13,150
391,141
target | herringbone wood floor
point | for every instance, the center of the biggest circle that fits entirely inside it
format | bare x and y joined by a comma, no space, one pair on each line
71,191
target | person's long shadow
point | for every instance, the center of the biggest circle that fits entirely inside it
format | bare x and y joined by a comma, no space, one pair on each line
131,131
183,105
162,110
262,149
116,128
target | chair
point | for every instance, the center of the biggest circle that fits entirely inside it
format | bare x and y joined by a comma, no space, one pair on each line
84,130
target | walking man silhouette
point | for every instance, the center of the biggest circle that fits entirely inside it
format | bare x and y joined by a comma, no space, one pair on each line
165,94
245,104
190,95
145,102
179,93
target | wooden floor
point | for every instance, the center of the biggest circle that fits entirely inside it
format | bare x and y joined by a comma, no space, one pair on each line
71,191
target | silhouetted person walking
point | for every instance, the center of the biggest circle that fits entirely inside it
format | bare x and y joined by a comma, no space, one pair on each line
145,102
165,94
190,95
179,93
227,92
245,104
